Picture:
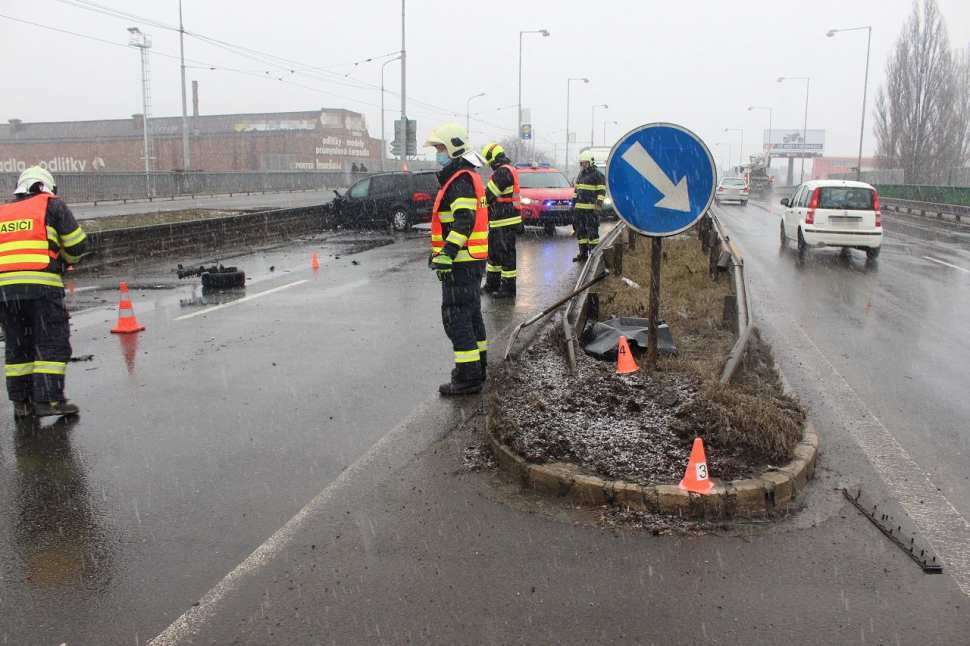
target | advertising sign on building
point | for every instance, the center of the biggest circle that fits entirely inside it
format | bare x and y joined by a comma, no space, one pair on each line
795,143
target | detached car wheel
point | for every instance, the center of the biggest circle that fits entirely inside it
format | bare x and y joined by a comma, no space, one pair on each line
400,219
224,279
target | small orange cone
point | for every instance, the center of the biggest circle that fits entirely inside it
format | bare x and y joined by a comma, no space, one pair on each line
126,315
696,479
315,262
624,358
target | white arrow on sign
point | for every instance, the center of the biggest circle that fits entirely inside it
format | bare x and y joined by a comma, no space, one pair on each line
676,197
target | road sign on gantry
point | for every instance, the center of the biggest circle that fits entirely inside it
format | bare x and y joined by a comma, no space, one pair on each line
661,178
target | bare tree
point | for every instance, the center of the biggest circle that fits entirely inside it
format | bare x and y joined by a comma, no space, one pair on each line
510,142
961,103
917,128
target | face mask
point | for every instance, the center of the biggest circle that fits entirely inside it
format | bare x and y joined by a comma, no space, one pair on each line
442,158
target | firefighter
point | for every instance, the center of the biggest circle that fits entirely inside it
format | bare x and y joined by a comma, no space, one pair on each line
39,239
504,218
459,243
588,204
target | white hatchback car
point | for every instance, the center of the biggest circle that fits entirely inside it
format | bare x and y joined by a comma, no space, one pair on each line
732,189
833,213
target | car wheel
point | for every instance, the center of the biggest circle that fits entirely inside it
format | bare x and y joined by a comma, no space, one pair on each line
400,219
550,229
802,246
744,202
872,253
224,279
784,238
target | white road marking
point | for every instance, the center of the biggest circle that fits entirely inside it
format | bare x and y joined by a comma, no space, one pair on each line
947,264
241,300
187,626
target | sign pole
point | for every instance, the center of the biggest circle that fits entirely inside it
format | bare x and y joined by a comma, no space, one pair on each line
655,257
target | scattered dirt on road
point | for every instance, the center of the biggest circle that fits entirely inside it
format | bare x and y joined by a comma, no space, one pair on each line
108,223
640,427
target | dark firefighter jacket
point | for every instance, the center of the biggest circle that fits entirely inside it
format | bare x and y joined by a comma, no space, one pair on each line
64,245
590,188
461,212
503,199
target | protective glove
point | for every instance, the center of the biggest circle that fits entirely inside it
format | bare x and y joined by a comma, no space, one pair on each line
442,265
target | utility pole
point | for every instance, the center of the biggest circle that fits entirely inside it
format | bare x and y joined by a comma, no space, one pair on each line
404,110
186,164
144,42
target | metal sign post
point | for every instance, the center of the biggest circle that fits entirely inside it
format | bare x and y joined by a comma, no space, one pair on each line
661,178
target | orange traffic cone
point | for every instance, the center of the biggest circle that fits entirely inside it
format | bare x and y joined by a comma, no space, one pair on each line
624,358
696,479
315,262
126,315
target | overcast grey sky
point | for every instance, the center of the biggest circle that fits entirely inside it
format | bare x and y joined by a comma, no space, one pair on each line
697,64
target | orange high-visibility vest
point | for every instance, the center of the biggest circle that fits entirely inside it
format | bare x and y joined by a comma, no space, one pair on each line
476,246
24,244
514,198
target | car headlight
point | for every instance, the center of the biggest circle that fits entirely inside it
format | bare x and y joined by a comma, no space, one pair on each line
526,200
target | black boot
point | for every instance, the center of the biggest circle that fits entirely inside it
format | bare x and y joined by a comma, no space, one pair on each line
484,373
55,409
506,289
468,387
583,254
492,281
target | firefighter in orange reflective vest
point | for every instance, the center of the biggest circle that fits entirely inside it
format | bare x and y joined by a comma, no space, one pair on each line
589,196
504,218
459,247
39,238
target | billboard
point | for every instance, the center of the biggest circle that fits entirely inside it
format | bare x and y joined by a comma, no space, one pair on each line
795,143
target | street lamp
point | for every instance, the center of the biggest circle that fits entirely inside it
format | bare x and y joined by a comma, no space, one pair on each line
741,151
604,129
468,106
144,43
730,154
761,107
865,87
805,126
592,122
545,34
568,81
383,139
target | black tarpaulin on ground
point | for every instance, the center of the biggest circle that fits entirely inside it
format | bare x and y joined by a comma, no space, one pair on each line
601,340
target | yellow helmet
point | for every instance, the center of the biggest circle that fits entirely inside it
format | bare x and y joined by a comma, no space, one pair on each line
453,137
586,156
34,175
491,151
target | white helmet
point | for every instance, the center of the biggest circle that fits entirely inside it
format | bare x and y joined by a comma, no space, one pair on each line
453,137
32,176
586,156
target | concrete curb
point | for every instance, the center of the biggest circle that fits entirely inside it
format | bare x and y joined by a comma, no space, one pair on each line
749,498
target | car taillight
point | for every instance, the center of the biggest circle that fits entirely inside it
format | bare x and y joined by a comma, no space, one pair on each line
744,190
810,216
422,197
875,207
720,189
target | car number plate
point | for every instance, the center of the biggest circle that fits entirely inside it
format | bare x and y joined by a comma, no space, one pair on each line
560,207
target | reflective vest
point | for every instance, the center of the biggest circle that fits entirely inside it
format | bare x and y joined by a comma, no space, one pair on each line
510,196
25,239
475,247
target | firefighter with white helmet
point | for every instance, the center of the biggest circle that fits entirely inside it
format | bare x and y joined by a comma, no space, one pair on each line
459,244
504,218
39,239
590,192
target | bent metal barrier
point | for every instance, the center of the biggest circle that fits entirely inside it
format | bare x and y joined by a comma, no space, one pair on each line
103,187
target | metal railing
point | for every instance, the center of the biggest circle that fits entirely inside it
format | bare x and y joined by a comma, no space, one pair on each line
103,187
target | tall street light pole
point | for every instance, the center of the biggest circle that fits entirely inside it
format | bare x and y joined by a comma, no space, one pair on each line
865,89
760,107
604,129
186,164
383,137
468,118
741,151
404,94
144,42
568,83
730,154
592,123
805,126
518,127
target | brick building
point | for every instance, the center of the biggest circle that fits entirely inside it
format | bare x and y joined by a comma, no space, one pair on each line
328,139
823,167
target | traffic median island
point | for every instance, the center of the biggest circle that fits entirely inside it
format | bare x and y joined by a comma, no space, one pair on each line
597,437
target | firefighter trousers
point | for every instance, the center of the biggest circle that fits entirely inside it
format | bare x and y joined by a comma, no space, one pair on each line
501,253
38,346
587,225
461,314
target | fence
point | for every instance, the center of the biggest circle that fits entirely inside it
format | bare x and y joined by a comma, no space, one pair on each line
955,177
98,187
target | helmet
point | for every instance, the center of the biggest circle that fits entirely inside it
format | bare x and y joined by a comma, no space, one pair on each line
453,137
32,176
586,156
491,151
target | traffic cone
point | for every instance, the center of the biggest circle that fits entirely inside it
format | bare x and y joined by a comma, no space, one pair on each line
624,358
696,479
126,315
315,262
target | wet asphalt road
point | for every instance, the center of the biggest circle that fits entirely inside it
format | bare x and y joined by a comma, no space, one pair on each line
194,450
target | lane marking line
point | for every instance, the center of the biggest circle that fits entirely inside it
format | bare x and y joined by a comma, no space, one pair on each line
947,264
183,629
241,300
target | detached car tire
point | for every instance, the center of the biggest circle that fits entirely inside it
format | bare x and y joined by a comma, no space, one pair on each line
224,279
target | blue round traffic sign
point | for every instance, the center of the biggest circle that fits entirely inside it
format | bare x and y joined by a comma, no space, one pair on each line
661,178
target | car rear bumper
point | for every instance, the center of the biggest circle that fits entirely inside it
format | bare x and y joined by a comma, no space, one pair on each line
842,238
